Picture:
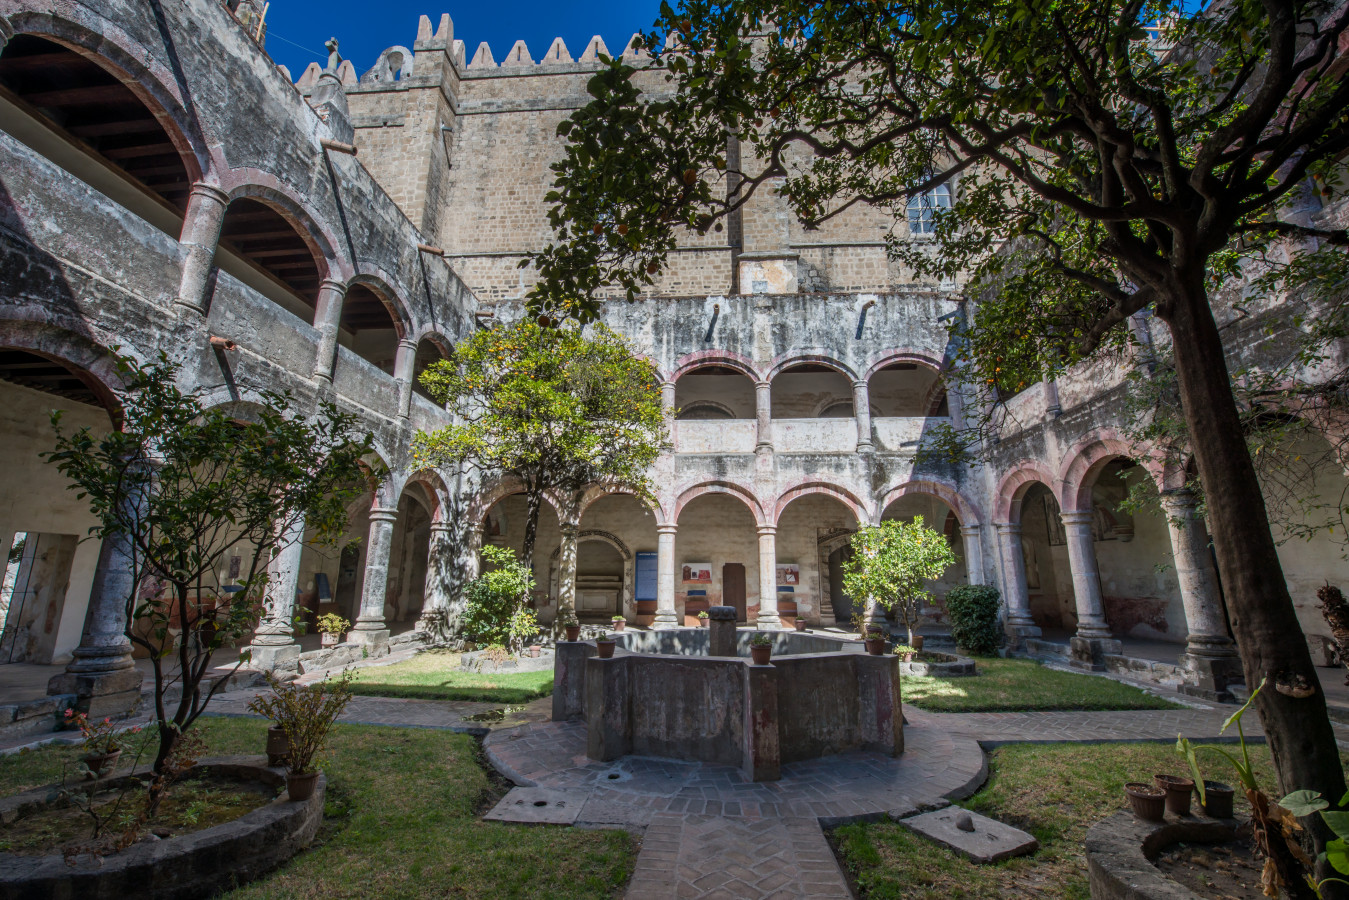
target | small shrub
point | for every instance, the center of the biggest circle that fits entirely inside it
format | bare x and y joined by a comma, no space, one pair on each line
306,713
495,600
973,612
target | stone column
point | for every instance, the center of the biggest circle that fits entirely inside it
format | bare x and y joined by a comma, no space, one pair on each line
438,622
721,632
763,415
404,365
974,553
566,569
274,644
861,407
370,627
1053,409
1210,660
1093,640
206,207
1020,624
768,578
667,412
327,318
665,577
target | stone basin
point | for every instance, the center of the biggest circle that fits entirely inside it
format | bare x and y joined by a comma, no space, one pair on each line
666,694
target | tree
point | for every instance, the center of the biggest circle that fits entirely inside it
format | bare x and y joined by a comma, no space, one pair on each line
892,563
183,490
553,407
494,602
1109,159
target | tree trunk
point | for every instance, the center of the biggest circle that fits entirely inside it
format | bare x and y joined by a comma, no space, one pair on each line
534,502
1292,707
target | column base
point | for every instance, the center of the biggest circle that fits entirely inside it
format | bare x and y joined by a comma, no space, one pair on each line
1018,634
360,635
1210,668
274,657
768,622
1089,652
664,621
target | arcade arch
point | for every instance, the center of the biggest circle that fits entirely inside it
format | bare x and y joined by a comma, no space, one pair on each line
716,556
811,542
904,389
714,391
811,390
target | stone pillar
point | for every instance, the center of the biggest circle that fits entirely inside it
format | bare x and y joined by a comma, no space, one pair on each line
768,579
608,709
327,318
1210,659
762,759
721,630
206,207
970,536
438,622
1020,624
370,627
763,415
665,577
861,407
667,413
274,644
566,569
1093,640
1053,409
881,712
404,365
569,678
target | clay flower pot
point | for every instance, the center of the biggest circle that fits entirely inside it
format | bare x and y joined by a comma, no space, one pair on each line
909,657
278,745
606,648
301,787
535,650
1148,802
618,624
1178,791
573,632
875,646
100,763
760,655
1218,799
329,640
800,624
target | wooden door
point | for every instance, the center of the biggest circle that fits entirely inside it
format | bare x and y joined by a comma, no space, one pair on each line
733,588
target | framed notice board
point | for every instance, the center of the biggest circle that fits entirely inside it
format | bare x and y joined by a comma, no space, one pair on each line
646,575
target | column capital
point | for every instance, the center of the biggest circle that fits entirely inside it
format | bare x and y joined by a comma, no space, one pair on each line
667,528
1076,516
1008,527
210,192
1180,499
973,530
407,344
569,529
763,385
383,514
767,530
441,527
667,385
860,384
332,284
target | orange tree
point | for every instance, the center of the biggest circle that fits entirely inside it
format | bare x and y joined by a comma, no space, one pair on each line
1108,157
558,408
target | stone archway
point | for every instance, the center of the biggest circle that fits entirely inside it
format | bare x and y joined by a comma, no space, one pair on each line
600,593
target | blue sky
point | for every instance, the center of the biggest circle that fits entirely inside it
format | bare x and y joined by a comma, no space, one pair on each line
364,28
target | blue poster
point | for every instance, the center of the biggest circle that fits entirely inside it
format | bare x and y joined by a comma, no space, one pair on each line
646,575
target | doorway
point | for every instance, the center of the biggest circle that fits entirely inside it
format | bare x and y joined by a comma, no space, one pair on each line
733,588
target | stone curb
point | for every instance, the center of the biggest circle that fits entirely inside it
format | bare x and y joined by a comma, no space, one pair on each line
1119,850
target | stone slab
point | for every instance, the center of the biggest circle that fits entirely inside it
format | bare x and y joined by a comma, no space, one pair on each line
539,806
989,842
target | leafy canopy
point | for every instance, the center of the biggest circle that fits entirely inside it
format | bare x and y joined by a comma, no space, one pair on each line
892,563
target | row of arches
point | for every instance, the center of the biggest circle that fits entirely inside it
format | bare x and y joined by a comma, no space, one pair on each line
809,390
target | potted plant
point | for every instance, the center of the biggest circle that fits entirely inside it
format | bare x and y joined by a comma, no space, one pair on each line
761,648
306,714
535,650
1178,790
571,625
875,640
800,624
103,744
702,619
332,626
605,645
1148,802
905,652
618,622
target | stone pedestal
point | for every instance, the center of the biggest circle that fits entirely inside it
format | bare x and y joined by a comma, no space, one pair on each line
878,699
569,678
609,732
763,750
1089,653
721,631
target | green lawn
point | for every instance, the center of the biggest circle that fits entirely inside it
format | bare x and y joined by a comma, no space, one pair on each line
1016,685
1054,791
401,821
435,675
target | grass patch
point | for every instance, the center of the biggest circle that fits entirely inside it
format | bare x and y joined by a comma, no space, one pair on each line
1054,791
1018,685
435,675
401,821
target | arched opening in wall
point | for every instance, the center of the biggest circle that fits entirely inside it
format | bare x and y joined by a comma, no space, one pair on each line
1044,552
49,567
429,351
409,560
265,250
812,530
940,517
82,115
504,526
332,576
716,557
906,390
811,391
370,327
714,392
1139,588
616,560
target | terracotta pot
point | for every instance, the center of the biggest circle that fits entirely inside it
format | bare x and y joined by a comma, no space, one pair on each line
101,763
1148,802
1178,791
573,632
301,787
535,650
917,642
875,646
606,649
329,640
618,625
702,623
278,745
1218,799
800,624
760,655
908,657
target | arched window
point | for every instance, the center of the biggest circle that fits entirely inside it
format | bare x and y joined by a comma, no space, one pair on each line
927,207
